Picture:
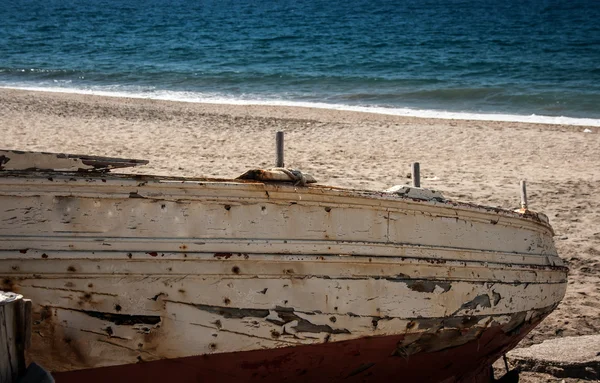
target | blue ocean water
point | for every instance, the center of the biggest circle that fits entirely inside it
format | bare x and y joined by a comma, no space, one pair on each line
465,57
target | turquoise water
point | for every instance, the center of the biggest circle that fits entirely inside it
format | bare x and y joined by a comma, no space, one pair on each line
477,57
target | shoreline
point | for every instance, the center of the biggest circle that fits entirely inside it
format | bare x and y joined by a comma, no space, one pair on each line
184,130
474,161
191,97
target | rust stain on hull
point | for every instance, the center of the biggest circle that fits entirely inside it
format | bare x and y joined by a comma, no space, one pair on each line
371,359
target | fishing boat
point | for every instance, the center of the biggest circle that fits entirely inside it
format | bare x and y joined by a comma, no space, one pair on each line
265,278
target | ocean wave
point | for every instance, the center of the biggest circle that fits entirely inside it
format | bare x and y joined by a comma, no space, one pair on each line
277,38
216,98
37,71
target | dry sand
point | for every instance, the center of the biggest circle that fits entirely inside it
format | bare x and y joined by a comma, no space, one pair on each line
475,161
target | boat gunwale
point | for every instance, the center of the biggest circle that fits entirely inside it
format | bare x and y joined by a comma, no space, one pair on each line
269,191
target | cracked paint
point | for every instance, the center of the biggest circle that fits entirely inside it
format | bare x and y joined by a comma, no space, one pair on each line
124,269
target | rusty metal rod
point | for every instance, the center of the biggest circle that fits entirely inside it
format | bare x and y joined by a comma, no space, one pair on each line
416,174
523,195
279,148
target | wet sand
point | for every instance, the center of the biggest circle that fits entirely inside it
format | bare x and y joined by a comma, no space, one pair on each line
475,161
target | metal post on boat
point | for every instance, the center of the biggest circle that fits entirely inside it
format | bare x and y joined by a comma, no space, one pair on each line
416,174
279,148
523,195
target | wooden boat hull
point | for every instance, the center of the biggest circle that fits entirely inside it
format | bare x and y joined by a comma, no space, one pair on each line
254,281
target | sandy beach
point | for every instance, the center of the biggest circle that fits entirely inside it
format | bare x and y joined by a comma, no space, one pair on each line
474,161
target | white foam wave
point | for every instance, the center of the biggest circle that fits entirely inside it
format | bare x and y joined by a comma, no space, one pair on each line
196,97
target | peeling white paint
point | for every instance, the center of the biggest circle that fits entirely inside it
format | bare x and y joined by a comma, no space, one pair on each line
123,269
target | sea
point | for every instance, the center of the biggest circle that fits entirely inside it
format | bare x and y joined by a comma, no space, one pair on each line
510,60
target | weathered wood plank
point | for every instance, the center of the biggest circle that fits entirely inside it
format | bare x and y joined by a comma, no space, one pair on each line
13,335
26,322
20,160
5,365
